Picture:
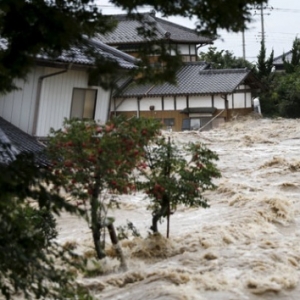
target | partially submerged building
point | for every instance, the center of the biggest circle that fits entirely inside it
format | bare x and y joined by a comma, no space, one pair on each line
202,98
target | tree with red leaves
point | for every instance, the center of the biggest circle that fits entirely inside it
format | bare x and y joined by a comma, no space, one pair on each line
92,159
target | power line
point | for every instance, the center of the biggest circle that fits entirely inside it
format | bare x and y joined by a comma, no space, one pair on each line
289,10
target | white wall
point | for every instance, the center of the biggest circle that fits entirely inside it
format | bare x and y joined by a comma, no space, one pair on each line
56,98
102,105
219,102
248,100
180,103
200,101
128,104
239,100
169,103
230,99
146,102
17,107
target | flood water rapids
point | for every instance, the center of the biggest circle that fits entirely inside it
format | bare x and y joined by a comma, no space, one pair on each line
245,246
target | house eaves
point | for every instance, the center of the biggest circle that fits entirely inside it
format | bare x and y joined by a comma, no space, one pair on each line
201,110
79,58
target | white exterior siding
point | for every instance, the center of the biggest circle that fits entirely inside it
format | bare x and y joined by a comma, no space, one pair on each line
129,104
169,103
180,103
200,101
56,99
17,107
248,100
239,100
145,103
230,99
219,102
235,101
51,114
102,105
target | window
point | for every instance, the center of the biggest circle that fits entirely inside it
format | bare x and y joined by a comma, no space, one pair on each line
83,103
195,123
203,123
169,122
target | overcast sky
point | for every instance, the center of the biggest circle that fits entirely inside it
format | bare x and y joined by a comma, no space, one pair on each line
281,24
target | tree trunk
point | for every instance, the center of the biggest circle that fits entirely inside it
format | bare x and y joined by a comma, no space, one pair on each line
168,219
162,212
155,219
167,174
96,238
96,220
115,242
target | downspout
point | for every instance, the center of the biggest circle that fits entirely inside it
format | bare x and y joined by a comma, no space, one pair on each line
115,107
138,106
226,105
38,96
109,105
140,98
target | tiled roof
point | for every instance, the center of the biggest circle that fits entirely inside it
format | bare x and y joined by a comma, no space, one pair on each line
20,142
126,31
76,55
193,79
279,59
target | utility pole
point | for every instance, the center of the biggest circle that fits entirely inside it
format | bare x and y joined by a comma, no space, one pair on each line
263,34
244,45
262,8
262,24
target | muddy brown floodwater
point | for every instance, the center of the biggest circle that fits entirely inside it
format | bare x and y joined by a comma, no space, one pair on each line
245,246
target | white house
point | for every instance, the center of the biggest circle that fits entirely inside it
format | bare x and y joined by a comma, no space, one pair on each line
60,88
126,36
201,96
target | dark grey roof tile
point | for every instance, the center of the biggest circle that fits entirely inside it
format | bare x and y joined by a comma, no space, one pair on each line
193,79
19,142
182,34
126,31
77,55
279,59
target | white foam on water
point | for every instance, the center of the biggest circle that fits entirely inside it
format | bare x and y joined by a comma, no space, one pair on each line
245,246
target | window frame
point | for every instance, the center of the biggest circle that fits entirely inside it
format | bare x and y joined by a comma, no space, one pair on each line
95,102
